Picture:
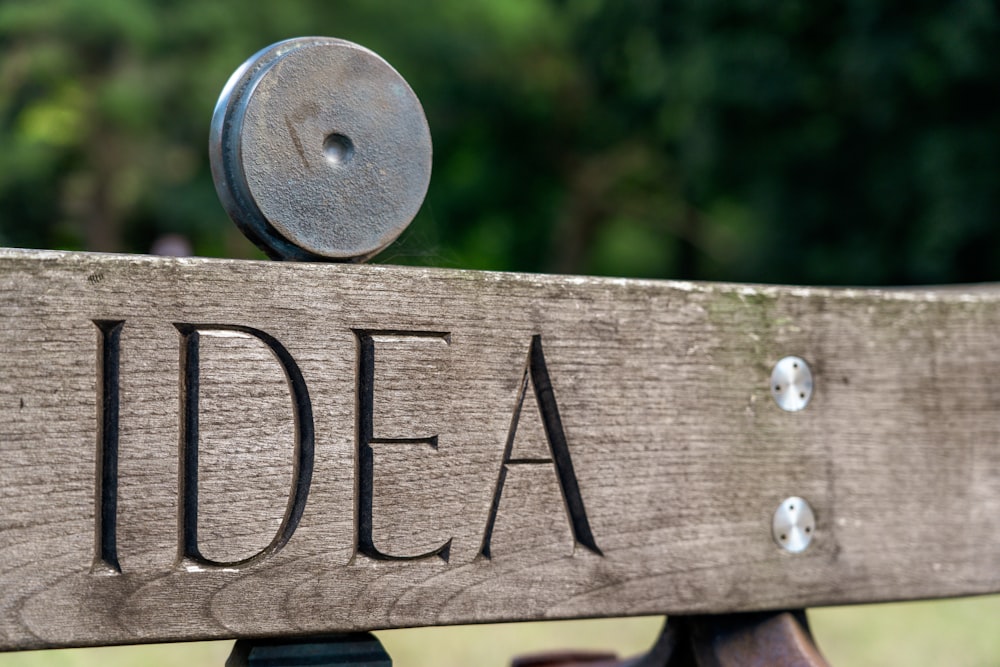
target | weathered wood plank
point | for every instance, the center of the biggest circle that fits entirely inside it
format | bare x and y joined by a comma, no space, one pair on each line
416,380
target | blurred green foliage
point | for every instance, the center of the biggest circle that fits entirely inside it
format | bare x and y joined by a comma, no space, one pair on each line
847,141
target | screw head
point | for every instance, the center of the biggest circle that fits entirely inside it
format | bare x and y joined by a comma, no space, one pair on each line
793,525
792,384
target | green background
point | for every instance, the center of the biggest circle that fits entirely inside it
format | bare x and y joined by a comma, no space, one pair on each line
820,142
817,142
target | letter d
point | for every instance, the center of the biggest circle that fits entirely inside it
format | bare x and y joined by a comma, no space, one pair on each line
304,444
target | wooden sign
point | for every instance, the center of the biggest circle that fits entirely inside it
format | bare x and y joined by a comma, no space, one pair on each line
200,449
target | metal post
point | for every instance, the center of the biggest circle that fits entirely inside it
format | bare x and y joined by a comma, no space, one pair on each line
320,151
359,649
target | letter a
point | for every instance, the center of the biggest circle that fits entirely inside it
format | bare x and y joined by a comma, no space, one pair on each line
536,375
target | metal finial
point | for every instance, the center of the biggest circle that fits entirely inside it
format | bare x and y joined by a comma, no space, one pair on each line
320,150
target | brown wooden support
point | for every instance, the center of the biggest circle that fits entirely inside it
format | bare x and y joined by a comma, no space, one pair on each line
769,639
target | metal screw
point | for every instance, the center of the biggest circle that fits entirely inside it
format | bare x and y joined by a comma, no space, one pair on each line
320,150
791,384
793,525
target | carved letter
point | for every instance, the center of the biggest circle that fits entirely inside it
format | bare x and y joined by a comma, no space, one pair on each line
106,511
537,374
366,438
304,444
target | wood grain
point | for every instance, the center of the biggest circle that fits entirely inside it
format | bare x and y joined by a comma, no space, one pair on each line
678,452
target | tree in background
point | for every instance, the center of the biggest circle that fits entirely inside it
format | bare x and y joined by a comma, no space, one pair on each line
821,142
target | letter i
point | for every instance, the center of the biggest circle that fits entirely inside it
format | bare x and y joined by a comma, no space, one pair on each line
106,496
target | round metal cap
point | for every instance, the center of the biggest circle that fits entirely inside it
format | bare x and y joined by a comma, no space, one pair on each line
791,384
793,524
320,150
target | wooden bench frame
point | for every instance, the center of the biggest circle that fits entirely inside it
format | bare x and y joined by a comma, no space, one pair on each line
475,447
